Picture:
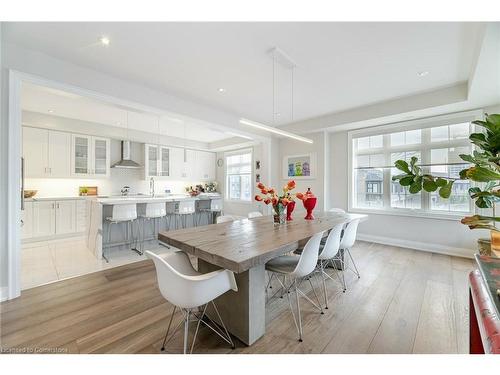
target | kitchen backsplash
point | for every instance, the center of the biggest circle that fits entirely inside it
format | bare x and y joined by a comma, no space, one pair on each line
68,187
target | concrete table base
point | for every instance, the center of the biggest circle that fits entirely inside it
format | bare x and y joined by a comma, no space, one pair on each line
243,312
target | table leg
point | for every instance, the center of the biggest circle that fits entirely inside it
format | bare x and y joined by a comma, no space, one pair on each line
243,312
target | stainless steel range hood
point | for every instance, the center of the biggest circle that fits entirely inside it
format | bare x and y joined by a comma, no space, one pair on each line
126,161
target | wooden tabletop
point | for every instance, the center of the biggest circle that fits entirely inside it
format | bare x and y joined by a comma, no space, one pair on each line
242,244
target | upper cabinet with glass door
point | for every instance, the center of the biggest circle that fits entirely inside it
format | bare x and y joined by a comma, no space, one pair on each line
157,161
90,156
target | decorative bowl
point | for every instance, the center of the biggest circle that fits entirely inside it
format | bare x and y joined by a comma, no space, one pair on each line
29,193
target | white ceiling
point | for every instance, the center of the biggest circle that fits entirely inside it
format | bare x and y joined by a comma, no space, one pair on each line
63,104
340,65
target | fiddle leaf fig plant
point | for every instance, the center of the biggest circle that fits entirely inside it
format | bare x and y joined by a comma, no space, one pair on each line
485,169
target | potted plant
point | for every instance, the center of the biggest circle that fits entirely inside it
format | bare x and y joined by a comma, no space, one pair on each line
484,169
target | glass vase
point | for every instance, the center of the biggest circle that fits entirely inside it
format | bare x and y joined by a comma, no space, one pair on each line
279,216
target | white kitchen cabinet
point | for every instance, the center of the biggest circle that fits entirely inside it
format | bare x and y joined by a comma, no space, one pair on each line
44,218
65,212
81,215
90,156
176,163
205,166
156,161
100,157
35,151
27,221
59,149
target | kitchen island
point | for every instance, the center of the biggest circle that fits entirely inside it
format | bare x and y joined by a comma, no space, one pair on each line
98,236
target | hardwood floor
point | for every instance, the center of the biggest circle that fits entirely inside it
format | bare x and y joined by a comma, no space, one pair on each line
406,301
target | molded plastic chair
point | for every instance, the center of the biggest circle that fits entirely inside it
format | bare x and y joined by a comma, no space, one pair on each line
254,214
191,291
347,242
122,213
293,268
224,219
329,253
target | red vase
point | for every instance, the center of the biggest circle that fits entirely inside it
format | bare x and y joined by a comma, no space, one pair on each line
309,204
289,209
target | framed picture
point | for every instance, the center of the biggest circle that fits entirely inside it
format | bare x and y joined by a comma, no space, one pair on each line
299,167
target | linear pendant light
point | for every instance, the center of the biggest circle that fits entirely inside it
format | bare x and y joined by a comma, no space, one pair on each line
284,133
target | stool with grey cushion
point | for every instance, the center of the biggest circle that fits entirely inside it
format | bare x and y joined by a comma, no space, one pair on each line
215,209
293,269
122,213
186,208
153,214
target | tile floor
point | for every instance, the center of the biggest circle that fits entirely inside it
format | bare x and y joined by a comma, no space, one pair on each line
48,261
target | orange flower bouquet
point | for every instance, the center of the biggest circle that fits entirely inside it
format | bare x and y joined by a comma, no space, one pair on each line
279,202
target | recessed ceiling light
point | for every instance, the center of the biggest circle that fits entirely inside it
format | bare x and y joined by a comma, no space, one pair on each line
51,111
423,73
104,40
220,89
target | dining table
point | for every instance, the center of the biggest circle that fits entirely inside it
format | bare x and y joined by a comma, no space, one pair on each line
244,246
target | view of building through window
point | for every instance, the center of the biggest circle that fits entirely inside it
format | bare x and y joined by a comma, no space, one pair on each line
437,149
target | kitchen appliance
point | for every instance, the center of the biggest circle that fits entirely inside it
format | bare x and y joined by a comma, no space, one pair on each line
126,160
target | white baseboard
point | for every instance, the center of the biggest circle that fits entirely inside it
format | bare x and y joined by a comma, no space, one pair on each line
4,293
423,246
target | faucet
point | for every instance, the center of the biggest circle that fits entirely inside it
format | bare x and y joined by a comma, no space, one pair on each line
152,186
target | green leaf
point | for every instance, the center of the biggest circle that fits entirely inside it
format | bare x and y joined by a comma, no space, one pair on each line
493,119
429,185
481,174
416,186
484,202
440,182
468,158
399,176
406,181
402,165
445,191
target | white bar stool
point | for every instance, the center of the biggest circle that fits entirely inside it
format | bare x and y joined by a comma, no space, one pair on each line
184,209
153,212
214,210
122,213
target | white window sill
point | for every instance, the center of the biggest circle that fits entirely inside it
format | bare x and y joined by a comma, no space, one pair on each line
413,213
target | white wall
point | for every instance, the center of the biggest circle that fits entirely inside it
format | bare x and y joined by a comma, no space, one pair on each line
288,147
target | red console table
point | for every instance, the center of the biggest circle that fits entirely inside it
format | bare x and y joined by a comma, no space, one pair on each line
484,309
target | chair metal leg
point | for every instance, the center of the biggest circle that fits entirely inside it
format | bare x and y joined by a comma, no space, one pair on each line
353,263
108,245
322,274
186,330
198,327
316,296
223,325
168,329
298,311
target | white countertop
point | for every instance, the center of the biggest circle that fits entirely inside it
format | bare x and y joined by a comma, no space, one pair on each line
35,198
137,199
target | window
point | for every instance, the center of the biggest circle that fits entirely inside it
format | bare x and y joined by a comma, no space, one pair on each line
239,176
437,143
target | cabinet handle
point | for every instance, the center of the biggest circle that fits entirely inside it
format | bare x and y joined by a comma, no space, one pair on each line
58,206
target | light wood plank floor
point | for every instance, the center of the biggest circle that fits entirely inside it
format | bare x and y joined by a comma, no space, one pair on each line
406,301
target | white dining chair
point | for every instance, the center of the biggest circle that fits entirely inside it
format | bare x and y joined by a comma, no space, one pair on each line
254,214
224,219
347,242
122,213
192,292
328,253
294,268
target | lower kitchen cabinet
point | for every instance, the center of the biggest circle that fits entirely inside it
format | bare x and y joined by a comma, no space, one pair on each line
51,219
